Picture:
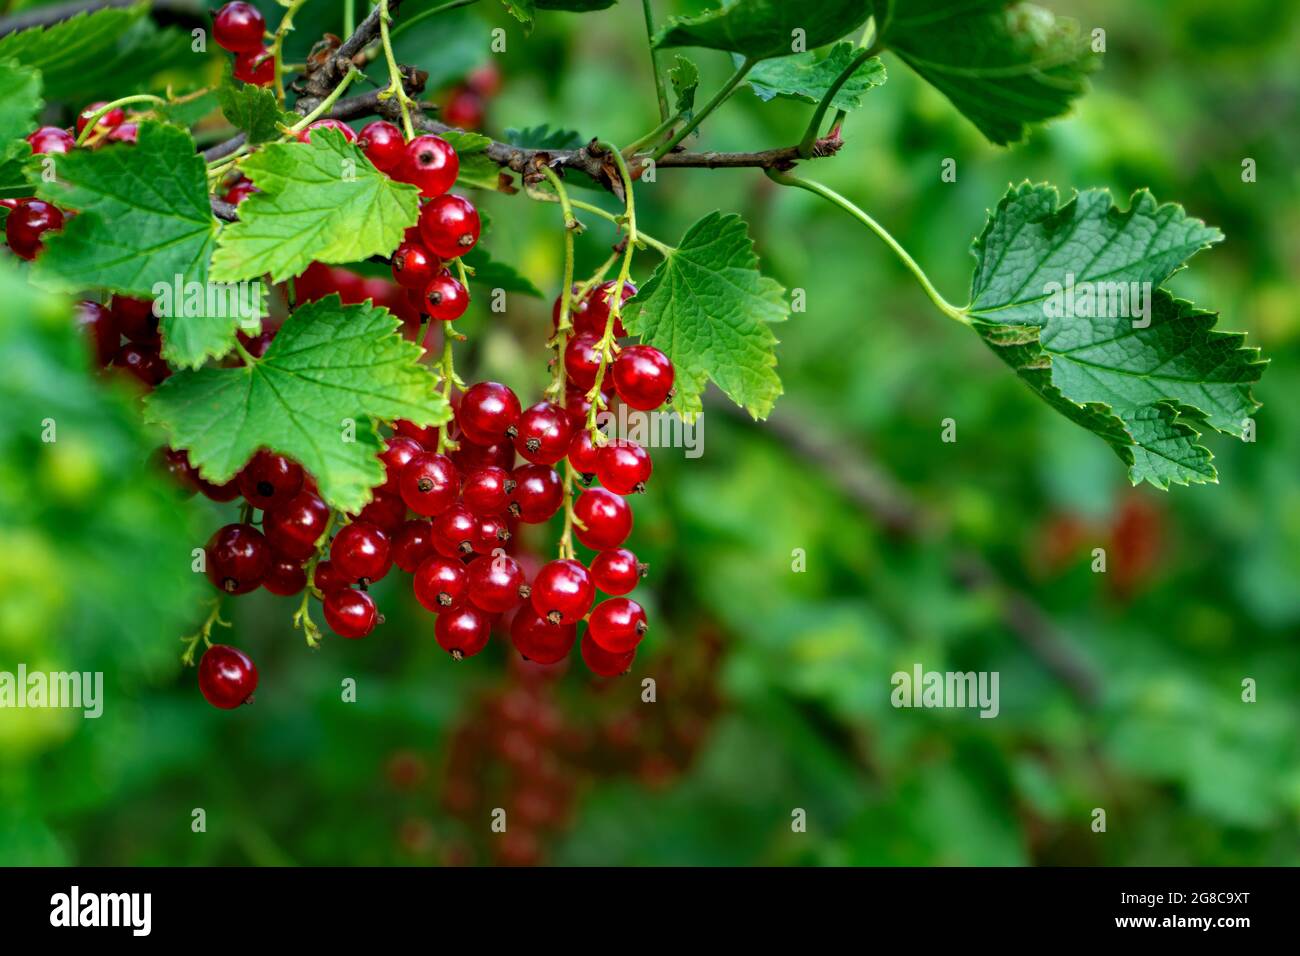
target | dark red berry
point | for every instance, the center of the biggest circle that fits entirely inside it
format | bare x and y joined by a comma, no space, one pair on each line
487,491
463,631
454,531
596,315
269,479
605,519
576,309
427,437
445,299
582,360
583,452
239,27
256,67
617,625
496,582
492,533
143,363
414,266
294,526
430,164
113,118
449,226
471,455
601,662
643,376
304,135
135,318
52,139
361,552
227,676
623,466
543,433
383,145
464,109
398,451
616,571
327,579
26,227
350,613
100,329
488,410
538,493
284,576
237,558
440,582
538,640
563,592
429,484
385,511
412,543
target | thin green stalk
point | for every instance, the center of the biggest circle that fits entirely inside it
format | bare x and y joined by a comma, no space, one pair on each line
408,22
869,35
653,135
815,124
94,118
327,104
349,17
661,89
395,87
449,380
944,306
717,100
277,46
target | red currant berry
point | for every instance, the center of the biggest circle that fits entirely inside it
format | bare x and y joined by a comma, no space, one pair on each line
606,519
463,631
488,411
617,625
239,27
412,543
623,466
361,552
440,582
538,493
464,109
427,437
237,558
471,456
136,319
583,452
493,532
543,433
143,363
576,309
100,328
398,451
27,225
113,118
284,576
295,525
454,531
445,299
269,479
496,582
563,592
540,641
240,190
52,139
304,135
227,676
487,491
430,164
643,376
385,511
449,226
383,145
327,579
582,360
256,67
484,80
414,266
596,315
429,484
128,133
617,571
601,662
350,613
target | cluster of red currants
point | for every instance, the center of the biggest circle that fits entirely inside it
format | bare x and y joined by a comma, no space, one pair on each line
240,28
133,319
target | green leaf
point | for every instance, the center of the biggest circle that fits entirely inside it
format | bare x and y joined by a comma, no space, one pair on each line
253,109
685,78
543,137
20,102
332,369
477,171
708,308
490,273
574,6
521,10
188,110
805,77
465,143
760,29
1003,66
1070,297
319,201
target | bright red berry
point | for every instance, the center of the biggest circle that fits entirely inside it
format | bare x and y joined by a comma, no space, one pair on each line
239,27
113,118
596,315
269,479
463,631
623,466
493,532
543,433
454,531
383,145
430,164
488,411
617,571
576,309
100,329
487,491
601,662
284,576
27,226
538,493
643,376
240,190
384,511
53,139
413,266
237,558
327,579
227,676
449,226
583,452
582,360
350,613
445,299
538,640
440,582
136,319
496,582
398,451
429,483
304,135
427,437
471,455
617,625
256,67
412,543
563,592
606,519
361,552
294,526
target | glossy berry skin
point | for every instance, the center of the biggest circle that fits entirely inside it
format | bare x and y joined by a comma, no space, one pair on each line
463,631
237,558
577,307
492,533
583,452
606,516
398,451
454,532
596,315
361,552
295,525
538,640
269,480
304,136
135,318
385,511
471,455
582,360
27,225
643,376
350,613
239,27
53,139
100,329
449,226
284,576
227,676
143,363
414,266
543,433
429,484
327,579
256,67
538,493
383,145
445,299
496,583
617,571
617,625
562,592
440,582
487,491
623,466
110,120
601,662
488,410
412,543
430,164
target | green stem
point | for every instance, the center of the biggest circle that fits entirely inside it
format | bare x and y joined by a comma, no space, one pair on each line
448,380
93,120
432,11
944,306
327,104
815,124
661,90
653,135
203,634
395,87
718,99
661,247
349,17
561,338
869,35
277,46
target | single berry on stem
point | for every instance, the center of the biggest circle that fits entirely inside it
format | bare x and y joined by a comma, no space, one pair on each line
496,583
538,493
269,480
454,531
256,67
414,266
582,359
430,164
429,483
361,552
601,662
412,543
617,571
237,558
623,466
606,519
617,625
227,676
449,226
543,433
463,631
239,27
445,299
488,411
538,640
398,451
350,613
383,145
53,139
562,592
643,376
487,491
440,582
295,525
284,576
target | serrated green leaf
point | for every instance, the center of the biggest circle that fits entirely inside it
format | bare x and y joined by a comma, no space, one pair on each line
521,10
543,137
332,369
805,77
490,273
685,79
760,29
319,201
253,109
708,308
1070,297
188,110
1002,65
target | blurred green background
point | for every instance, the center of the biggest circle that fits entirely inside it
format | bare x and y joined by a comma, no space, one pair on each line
1119,691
